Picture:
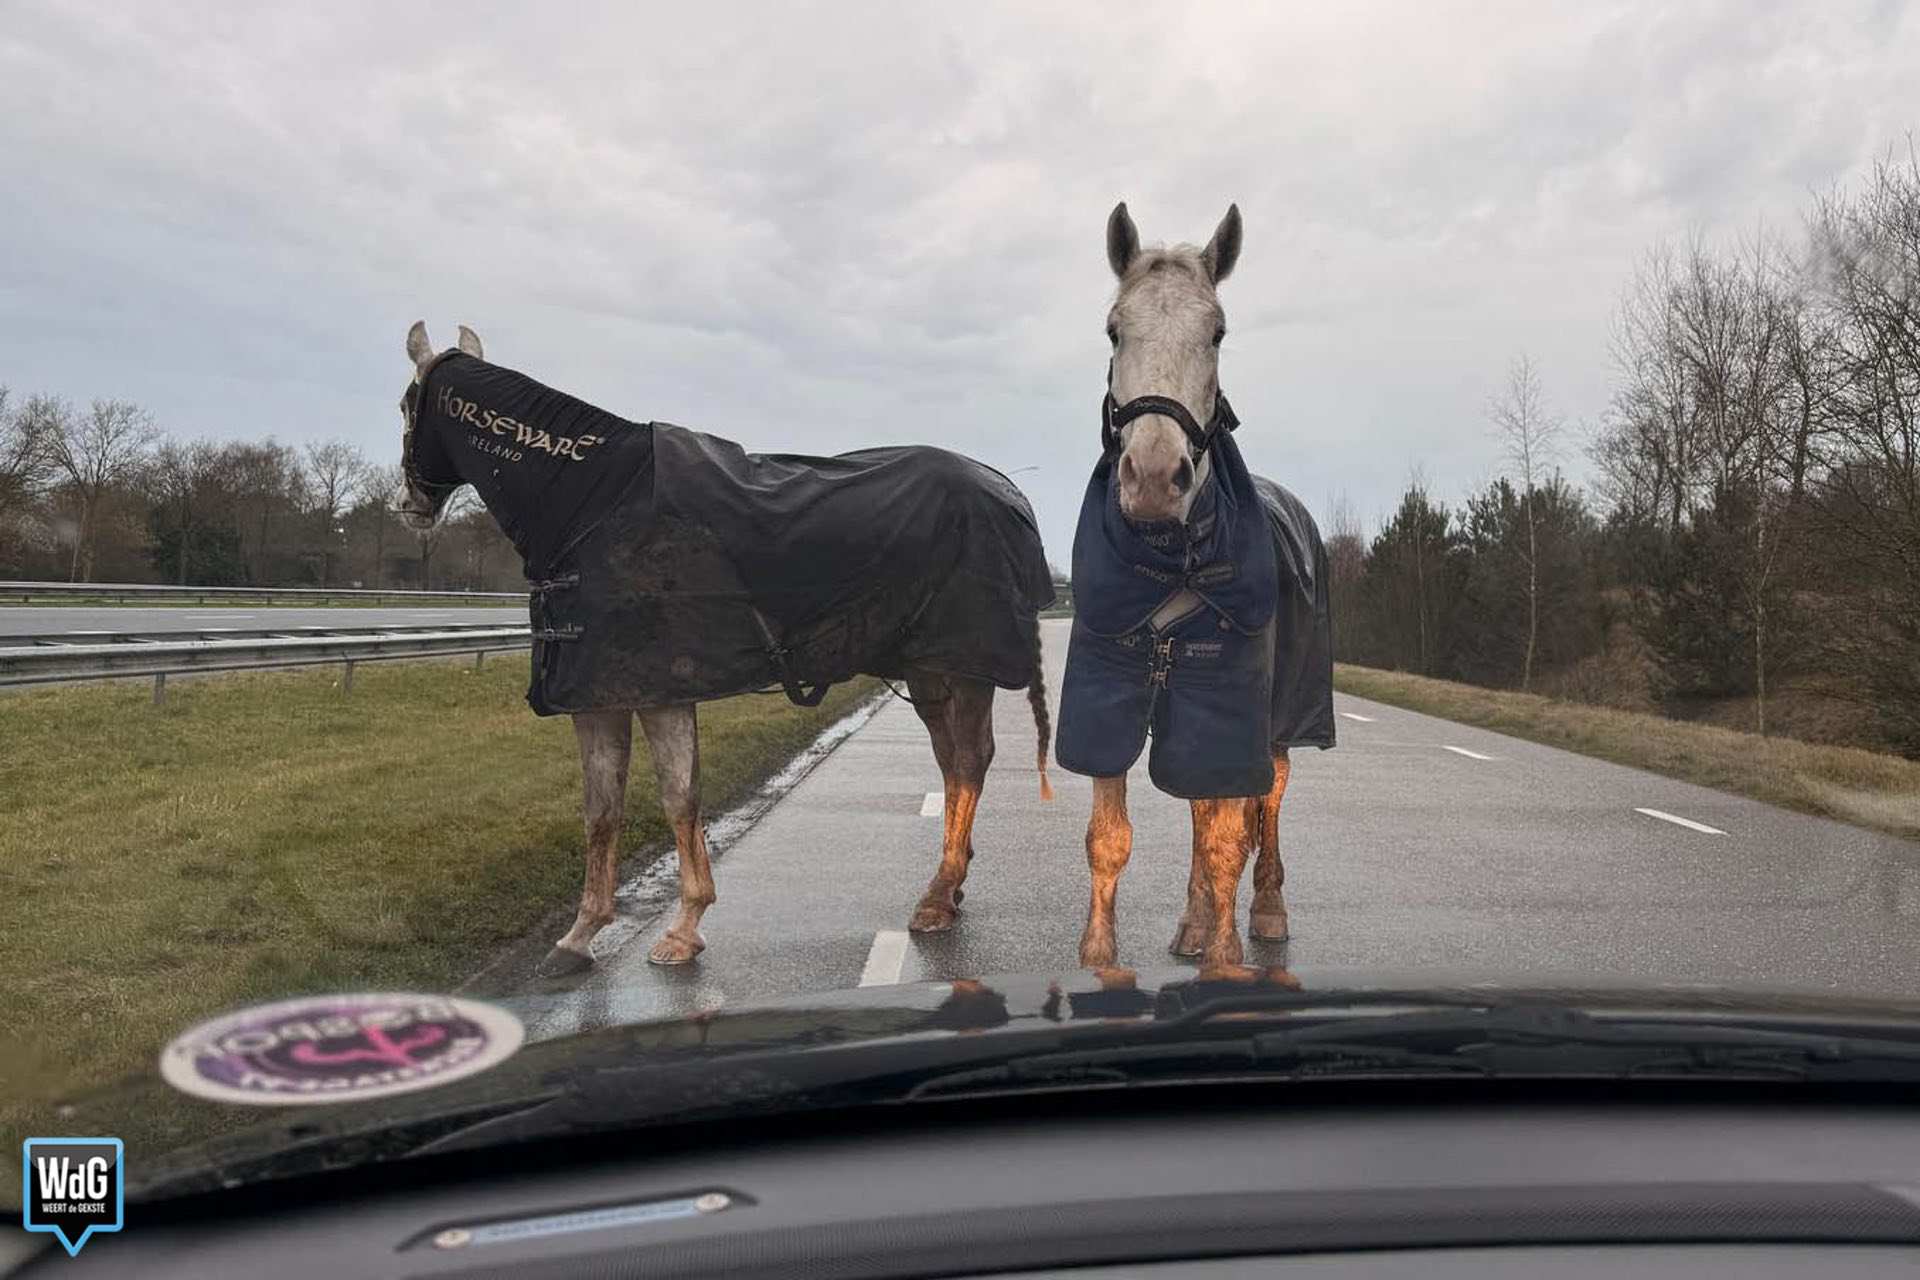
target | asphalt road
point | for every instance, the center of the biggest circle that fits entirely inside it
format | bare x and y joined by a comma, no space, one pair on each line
27,620
1415,844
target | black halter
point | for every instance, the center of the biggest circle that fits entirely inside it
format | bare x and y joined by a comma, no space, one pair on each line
1114,416
410,411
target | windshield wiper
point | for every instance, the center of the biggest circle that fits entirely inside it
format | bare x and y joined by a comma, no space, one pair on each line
1498,1041
340,1141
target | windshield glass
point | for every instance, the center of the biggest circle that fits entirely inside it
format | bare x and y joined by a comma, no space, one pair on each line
733,529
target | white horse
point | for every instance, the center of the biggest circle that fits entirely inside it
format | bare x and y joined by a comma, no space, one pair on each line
1166,325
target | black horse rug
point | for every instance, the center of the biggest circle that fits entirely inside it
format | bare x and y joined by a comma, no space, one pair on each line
669,566
1248,669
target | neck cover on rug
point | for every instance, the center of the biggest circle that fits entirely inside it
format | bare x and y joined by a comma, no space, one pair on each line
1203,684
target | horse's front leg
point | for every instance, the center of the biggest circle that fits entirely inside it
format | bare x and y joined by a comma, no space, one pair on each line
959,719
673,736
606,745
1109,845
1267,918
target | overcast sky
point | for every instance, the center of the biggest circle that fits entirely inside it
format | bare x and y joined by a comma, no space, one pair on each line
817,227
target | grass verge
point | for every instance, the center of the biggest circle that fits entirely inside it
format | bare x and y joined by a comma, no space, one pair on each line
1866,788
263,835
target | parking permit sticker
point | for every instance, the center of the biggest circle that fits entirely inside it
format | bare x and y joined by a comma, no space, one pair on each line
339,1048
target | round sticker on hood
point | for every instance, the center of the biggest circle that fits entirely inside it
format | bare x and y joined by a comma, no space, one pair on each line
339,1048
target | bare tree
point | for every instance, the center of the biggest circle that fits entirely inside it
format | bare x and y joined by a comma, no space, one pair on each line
95,453
265,481
461,505
1867,267
1646,449
375,498
334,469
24,465
1770,459
1353,638
1529,440
178,480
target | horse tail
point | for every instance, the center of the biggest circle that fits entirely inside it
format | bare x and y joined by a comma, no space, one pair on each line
1037,699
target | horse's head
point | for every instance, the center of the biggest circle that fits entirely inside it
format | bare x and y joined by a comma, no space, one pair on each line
1166,326
426,476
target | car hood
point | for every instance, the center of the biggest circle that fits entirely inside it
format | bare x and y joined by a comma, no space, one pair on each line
1014,1006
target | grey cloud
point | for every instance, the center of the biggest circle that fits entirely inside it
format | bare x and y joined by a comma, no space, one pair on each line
820,226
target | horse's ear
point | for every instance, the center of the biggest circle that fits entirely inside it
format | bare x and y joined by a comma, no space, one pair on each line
1224,249
419,350
470,343
1123,239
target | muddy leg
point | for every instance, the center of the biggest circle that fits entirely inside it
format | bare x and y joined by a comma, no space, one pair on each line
1222,839
959,719
673,736
1109,845
1267,918
606,744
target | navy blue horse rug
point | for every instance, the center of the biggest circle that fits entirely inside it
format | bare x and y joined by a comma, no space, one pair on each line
1246,669
670,566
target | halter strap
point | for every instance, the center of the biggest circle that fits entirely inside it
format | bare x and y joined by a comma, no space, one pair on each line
410,408
1114,416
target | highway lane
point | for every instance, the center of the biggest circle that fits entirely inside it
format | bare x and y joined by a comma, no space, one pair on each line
1417,843
27,620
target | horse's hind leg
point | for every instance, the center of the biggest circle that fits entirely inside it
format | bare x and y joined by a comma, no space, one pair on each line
1196,922
1268,915
606,745
958,714
1222,838
673,736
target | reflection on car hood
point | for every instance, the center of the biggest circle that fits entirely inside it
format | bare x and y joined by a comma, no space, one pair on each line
999,1006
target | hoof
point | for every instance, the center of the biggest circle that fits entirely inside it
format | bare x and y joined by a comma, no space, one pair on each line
563,962
675,950
933,917
1188,940
1230,973
1268,926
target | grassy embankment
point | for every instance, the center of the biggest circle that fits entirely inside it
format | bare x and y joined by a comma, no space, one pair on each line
1866,788
262,835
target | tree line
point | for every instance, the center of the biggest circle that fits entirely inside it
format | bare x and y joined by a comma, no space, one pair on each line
1753,532
102,494
1752,536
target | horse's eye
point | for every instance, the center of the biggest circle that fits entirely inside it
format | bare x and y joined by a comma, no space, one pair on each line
1219,335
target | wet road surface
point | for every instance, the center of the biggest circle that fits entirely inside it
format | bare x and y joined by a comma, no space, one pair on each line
1415,843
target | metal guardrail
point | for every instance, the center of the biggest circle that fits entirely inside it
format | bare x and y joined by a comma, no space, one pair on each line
151,593
300,632
78,657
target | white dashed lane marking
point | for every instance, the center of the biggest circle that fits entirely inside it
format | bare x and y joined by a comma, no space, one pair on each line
1354,715
884,961
1679,821
1471,755
933,804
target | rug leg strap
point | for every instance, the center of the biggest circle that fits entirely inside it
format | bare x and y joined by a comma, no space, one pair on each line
778,653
